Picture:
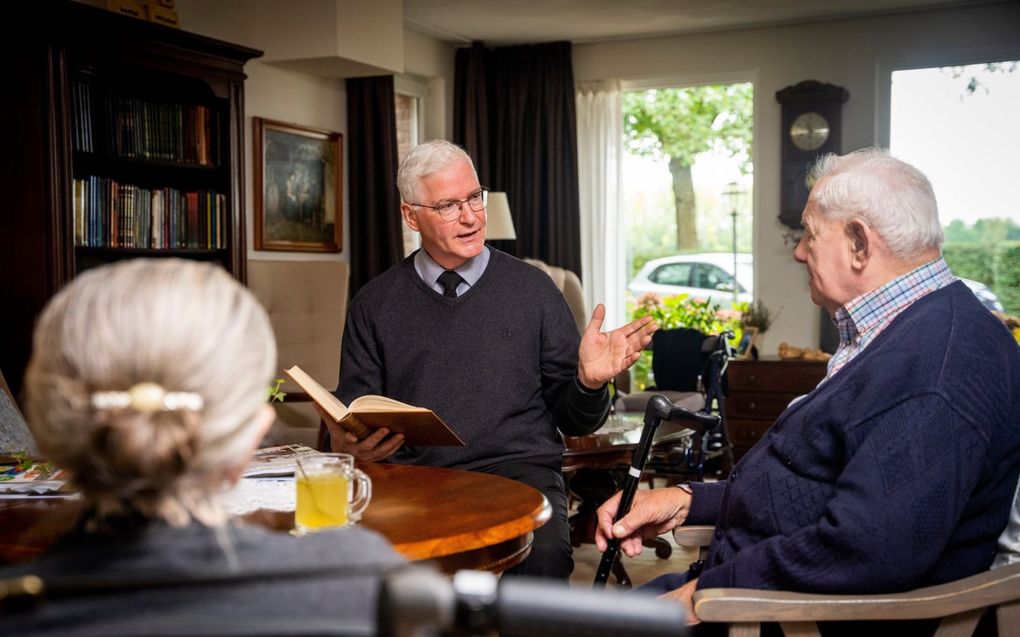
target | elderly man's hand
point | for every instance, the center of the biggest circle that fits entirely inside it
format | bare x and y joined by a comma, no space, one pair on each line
684,595
373,448
652,513
603,355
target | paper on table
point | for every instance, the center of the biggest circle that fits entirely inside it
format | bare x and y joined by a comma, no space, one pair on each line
277,461
273,494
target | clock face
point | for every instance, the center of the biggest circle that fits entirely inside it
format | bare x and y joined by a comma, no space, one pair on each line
809,131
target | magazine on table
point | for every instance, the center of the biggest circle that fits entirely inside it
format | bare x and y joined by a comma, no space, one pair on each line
277,461
31,476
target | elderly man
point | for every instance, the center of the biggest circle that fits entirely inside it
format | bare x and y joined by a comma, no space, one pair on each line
484,340
898,470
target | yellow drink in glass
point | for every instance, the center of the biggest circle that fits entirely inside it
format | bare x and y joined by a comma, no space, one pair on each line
322,501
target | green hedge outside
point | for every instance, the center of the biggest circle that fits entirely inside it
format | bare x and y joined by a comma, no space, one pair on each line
997,266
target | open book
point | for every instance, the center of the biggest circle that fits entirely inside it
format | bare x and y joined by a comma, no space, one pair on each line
420,426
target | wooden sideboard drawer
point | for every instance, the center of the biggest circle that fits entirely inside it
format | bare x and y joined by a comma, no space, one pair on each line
789,377
745,433
758,405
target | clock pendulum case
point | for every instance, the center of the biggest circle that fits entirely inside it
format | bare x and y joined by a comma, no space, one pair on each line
811,126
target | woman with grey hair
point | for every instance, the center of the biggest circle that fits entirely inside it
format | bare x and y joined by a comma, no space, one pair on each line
147,382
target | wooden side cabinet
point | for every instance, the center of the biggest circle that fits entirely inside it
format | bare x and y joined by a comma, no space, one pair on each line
759,391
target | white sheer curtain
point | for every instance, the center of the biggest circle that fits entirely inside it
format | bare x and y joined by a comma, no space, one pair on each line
599,164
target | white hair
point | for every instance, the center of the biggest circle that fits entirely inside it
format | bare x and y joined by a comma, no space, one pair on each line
183,325
425,159
892,196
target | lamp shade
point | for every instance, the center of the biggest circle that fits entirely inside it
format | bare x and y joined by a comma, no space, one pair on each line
499,224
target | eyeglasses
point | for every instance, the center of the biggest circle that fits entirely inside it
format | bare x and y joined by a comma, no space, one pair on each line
450,210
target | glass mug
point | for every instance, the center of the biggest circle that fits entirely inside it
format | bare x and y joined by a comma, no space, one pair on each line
331,493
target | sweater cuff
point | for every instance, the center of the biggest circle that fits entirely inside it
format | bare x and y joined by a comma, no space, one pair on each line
584,390
579,412
706,498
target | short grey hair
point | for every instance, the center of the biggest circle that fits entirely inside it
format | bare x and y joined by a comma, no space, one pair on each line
893,197
425,159
184,325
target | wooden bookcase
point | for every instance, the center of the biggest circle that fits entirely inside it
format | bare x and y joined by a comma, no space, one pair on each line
108,118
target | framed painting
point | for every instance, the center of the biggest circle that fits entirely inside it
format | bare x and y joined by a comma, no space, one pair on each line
298,195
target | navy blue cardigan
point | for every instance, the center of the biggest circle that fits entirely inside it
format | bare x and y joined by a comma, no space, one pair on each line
897,472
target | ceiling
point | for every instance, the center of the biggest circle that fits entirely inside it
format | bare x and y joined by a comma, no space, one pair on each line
502,22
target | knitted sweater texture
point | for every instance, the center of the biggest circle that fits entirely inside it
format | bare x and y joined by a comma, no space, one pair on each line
896,472
497,363
275,585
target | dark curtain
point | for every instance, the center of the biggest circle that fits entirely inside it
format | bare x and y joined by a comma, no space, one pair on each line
375,235
514,113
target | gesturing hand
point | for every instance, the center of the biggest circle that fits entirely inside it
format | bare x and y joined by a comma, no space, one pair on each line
603,355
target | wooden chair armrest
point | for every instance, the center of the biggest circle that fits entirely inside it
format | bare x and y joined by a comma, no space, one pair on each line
747,605
693,536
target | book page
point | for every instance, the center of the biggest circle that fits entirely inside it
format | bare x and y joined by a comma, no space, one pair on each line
373,403
323,397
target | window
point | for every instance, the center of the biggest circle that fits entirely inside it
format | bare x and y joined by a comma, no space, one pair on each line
958,125
408,98
688,182
673,274
713,277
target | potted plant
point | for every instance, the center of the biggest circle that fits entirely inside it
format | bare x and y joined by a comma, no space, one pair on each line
759,316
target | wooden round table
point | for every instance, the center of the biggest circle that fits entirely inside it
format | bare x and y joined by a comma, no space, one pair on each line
461,519
458,519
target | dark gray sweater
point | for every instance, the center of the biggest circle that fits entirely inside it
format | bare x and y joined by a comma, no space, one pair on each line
269,583
497,364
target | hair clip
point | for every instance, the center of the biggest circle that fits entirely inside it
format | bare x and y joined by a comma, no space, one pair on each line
147,398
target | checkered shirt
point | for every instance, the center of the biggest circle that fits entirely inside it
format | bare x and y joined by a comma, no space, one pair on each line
864,318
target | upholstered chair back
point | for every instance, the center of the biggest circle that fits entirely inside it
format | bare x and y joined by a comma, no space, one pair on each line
570,285
307,306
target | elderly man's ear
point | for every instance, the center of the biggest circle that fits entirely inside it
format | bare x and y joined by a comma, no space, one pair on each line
861,239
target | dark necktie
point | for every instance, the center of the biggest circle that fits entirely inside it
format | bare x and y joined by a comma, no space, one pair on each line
450,280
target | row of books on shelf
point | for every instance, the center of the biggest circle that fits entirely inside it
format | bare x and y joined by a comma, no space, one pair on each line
107,121
117,215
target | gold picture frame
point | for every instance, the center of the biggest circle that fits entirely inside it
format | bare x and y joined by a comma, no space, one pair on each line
298,188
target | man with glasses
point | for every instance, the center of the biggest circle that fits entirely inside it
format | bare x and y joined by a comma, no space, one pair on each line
484,340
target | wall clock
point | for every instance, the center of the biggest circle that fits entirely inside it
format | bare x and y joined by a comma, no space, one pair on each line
811,119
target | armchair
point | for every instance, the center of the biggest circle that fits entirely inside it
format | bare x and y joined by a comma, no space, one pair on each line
959,605
570,285
307,304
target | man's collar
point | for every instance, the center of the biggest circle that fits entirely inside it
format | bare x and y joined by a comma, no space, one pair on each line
471,270
862,312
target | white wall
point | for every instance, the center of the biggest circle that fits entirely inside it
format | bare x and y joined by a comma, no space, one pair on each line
277,93
856,54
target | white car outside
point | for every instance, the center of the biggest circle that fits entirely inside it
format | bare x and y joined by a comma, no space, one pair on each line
706,275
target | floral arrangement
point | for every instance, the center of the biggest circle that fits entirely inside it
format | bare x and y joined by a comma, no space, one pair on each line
758,315
273,393
682,310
